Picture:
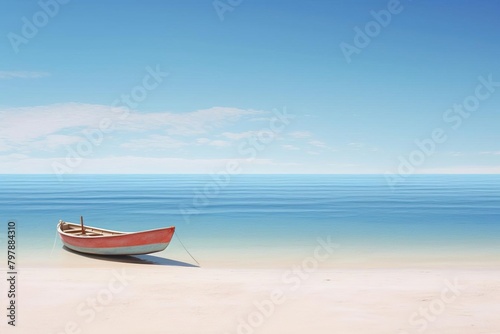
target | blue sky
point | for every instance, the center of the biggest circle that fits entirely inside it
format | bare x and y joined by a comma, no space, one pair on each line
228,79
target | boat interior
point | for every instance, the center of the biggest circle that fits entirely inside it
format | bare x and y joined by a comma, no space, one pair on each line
75,229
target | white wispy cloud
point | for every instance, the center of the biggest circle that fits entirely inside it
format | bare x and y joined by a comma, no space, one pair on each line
7,158
318,144
19,125
22,74
219,143
462,170
22,164
490,153
343,165
260,119
239,135
45,133
53,142
4,146
356,145
27,125
203,141
455,154
153,142
186,124
307,141
211,142
290,147
300,134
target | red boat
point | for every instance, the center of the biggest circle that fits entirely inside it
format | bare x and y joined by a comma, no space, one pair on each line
92,240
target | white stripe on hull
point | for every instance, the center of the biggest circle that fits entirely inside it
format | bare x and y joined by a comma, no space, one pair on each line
131,250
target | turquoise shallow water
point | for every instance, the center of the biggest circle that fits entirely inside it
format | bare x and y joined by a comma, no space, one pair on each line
452,214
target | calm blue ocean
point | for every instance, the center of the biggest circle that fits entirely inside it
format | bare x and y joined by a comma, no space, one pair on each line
455,214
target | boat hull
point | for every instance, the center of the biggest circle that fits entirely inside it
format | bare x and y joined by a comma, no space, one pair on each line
119,243
131,250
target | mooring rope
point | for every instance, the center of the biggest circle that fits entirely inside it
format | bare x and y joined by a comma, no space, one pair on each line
177,235
54,245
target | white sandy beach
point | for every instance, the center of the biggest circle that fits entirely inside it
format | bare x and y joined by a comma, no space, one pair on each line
85,295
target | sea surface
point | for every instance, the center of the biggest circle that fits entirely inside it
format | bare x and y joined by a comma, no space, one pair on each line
251,218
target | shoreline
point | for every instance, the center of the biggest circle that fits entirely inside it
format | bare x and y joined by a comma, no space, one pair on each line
249,259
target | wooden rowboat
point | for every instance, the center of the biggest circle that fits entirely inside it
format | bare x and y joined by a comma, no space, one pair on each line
92,240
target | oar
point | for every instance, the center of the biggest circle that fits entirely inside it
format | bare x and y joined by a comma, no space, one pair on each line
81,223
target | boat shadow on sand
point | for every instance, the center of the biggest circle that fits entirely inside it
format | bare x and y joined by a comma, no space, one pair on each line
135,259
